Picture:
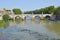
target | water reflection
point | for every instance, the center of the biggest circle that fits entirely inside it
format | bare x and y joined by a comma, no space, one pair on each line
30,30
5,24
54,26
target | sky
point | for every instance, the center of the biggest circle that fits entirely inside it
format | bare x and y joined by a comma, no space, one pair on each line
27,5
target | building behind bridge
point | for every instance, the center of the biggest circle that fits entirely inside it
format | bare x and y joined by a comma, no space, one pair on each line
5,11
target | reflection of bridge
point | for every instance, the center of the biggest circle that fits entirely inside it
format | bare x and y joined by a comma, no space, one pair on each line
23,16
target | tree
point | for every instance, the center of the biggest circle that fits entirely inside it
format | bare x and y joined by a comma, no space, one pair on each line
6,17
46,10
17,11
49,10
57,11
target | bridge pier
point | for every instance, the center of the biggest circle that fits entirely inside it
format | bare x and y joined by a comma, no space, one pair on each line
42,18
23,17
14,18
32,18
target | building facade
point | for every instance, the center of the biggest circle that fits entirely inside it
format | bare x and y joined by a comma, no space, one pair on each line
5,11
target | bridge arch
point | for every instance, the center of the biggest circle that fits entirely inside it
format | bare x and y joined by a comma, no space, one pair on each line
47,17
27,17
18,18
38,17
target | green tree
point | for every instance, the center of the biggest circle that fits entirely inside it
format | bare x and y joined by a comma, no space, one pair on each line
57,11
28,12
17,11
6,17
46,10
49,10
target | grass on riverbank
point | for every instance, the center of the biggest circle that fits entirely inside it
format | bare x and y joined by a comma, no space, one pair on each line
2,22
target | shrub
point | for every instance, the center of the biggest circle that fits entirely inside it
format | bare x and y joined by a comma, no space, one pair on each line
6,17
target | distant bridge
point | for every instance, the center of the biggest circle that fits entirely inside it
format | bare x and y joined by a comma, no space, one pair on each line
23,16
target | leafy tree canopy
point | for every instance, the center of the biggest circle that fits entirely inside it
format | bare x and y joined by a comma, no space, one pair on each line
6,17
17,11
46,10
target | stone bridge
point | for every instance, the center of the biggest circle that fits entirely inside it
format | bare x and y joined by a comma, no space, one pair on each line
23,16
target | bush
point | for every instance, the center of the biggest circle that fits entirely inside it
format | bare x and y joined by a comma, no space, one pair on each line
6,17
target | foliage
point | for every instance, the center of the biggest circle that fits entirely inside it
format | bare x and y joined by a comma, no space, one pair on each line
28,12
6,17
1,22
17,11
46,10
57,11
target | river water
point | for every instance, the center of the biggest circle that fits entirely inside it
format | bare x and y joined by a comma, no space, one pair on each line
30,30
